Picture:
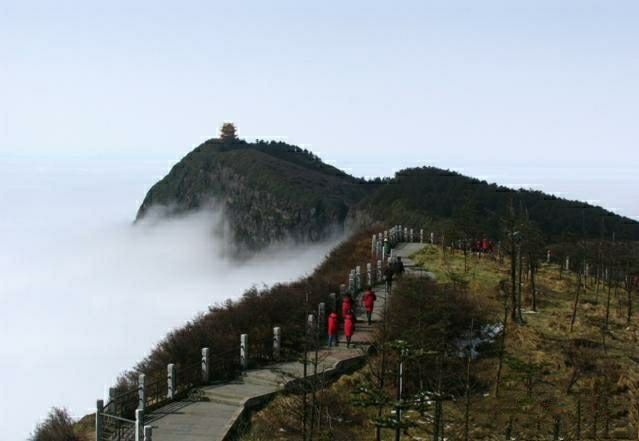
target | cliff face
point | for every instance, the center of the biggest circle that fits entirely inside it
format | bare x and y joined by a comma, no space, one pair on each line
268,191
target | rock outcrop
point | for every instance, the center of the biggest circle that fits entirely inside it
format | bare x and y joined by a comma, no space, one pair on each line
268,192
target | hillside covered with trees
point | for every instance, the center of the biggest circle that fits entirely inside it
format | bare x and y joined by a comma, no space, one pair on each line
271,191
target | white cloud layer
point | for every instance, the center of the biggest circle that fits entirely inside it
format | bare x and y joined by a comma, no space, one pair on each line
85,294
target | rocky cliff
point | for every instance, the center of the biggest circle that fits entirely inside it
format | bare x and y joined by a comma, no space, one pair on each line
268,191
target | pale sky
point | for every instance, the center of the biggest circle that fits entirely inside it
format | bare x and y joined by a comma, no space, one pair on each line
370,86
540,93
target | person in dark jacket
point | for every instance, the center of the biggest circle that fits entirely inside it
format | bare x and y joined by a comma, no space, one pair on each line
388,278
368,300
399,266
349,329
333,327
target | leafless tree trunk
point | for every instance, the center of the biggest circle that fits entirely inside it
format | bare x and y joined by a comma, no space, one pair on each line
502,347
468,361
519,285
533,287
576,303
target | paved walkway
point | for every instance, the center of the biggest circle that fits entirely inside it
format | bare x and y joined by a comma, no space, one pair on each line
219,407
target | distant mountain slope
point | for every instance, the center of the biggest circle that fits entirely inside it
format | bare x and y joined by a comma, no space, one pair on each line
272,191
429,193
269,191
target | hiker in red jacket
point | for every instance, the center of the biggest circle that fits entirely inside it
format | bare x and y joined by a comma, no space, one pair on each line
347,305
368,300
333,328
349,328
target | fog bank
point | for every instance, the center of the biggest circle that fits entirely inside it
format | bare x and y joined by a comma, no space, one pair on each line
86,294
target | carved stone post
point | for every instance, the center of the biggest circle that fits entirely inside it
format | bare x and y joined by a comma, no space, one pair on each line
421,236
369,273
432,238
141,391
99,424
567,263
244,351
277,343
321,317
206,365
351,282
380,271
171,377
139,425
358,278
548,256
148,433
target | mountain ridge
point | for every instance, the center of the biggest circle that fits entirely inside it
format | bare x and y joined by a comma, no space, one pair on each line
272,191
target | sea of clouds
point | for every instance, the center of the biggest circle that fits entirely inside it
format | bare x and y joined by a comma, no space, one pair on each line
85,294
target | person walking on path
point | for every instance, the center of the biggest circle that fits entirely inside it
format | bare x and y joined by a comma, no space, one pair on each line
347,305
349,328
388,278
333,327
399,266
368,300
387,247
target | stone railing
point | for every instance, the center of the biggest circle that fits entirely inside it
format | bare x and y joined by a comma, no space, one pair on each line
122,418
124,414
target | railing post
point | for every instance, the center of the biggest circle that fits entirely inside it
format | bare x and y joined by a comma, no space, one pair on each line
139,425
99,420
405,237
548,256
369,273
351,282
567,263
421,236
374,245
206,365
148,433
277,343
170,377
321,317
432,238
244,351
380,271
141,397
412,235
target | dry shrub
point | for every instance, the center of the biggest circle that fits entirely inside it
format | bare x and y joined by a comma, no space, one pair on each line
256,313
337,418
57,426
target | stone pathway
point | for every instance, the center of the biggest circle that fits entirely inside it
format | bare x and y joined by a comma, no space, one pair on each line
212,417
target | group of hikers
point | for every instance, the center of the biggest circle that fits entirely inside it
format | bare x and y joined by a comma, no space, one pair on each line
367,300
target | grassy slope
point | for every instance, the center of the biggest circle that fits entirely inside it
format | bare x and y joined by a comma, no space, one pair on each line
544,340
